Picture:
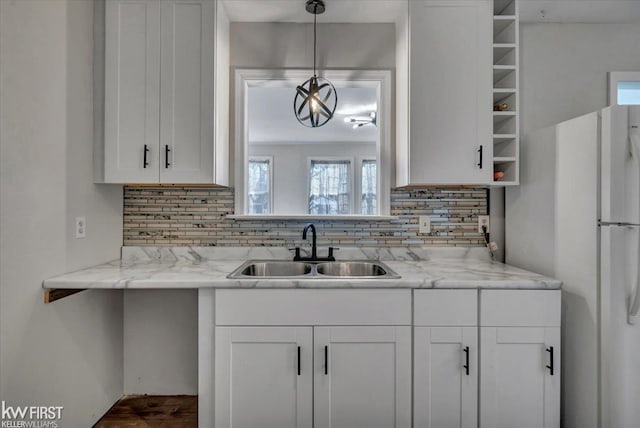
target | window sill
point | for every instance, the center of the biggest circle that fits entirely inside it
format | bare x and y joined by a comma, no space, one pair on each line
349,217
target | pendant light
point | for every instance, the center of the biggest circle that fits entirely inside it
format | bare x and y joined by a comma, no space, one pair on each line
316,99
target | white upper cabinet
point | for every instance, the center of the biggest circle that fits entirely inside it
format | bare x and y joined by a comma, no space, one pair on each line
159,92
186,92
449,90
132,91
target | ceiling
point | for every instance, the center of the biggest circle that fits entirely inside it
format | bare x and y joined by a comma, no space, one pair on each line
386,11
577,11
272,120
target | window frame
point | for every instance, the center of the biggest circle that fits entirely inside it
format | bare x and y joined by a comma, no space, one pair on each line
616,77
352,185
379,79
361,161
269,160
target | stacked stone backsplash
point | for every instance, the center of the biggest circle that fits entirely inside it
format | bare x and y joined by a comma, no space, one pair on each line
197,216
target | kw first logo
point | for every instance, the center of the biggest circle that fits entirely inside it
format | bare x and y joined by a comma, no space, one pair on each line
30,416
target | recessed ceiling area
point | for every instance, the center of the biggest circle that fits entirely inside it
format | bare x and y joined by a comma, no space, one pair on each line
272,120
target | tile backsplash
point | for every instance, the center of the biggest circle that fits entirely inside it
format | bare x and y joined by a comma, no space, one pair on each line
197,216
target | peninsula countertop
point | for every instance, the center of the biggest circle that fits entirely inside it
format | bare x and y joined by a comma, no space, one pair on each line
209,267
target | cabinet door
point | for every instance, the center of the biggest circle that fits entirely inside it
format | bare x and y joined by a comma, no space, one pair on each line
450,92
132,91
445,377
518,387
261,380
186,96
362,377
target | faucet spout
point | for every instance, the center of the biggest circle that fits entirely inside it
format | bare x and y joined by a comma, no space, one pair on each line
314,248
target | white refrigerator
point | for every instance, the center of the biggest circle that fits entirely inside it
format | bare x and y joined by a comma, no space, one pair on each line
576,217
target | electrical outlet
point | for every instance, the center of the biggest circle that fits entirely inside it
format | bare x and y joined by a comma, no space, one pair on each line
425,224
81,227
483,220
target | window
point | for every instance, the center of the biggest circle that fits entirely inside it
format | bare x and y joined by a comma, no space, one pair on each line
259,186
330,186
629,93
369,181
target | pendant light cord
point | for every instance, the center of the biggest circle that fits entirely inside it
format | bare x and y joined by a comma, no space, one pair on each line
315,17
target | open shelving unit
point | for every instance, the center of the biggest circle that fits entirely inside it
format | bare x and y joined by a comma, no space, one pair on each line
506,126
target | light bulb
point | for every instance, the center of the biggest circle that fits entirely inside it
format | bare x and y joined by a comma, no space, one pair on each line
314,104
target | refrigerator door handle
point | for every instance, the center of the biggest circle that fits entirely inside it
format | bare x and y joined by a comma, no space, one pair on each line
634,306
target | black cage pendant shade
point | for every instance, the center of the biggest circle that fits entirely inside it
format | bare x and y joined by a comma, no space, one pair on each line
316,99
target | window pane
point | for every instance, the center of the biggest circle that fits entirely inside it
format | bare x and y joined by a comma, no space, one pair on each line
369,201
629,93
259,187
329,187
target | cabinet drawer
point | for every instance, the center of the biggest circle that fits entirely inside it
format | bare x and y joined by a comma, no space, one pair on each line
313,307
520,308
453,308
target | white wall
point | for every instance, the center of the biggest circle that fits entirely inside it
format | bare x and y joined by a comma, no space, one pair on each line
564,68
563,75
161,342
67,353
291,173
287,45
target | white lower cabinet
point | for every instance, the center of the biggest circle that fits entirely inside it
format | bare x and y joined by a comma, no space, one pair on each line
520,359
299,370
445,362
445,377
343,359
520,377
362,377
264,377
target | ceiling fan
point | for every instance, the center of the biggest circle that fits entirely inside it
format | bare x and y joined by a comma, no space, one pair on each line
360,121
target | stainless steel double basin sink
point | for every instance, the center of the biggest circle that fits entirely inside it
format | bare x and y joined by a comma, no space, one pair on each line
276,269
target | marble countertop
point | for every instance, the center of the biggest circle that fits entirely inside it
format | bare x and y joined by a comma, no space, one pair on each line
208,267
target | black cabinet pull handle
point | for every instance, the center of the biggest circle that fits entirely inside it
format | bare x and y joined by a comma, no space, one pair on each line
145,163
166,156
299,368
326,359
466,358
480,150
550,367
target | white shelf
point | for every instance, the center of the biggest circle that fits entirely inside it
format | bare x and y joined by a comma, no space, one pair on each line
503,159
509,97
504,113
504,7
505,90
501,71
502,138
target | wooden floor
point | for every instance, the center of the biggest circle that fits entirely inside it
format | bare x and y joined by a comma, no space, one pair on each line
140,411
